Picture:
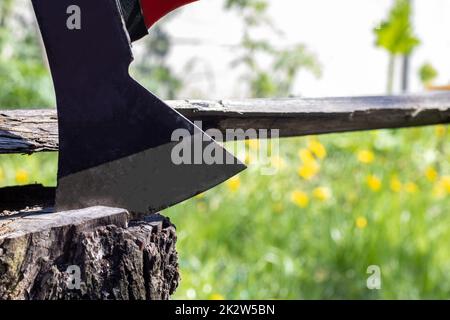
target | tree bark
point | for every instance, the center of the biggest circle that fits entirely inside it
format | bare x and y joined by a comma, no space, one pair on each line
391,74
117,258
405,73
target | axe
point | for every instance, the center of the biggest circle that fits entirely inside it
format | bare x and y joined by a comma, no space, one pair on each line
116,145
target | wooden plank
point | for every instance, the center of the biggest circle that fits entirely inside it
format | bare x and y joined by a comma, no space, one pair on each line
28,131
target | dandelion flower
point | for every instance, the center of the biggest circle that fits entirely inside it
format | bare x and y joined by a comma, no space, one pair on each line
2,175
216,296
253,144
300,198
308,170
361,222
431,174
440,131
234,183
411,187
306,156
322,193
374,183
439,189
366,156
22,176
317,148
395,184
445,183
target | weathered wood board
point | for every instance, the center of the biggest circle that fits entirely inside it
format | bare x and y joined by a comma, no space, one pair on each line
28,131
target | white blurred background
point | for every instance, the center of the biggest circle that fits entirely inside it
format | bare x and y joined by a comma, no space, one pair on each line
340,33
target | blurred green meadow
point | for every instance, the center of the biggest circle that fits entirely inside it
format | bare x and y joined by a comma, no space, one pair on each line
375,198
337,204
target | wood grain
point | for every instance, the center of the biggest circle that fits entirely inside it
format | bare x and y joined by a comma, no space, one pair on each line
28,131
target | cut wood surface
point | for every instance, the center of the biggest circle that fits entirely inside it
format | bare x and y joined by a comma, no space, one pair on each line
117,258
28,131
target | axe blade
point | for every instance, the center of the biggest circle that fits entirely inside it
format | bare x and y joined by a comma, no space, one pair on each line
115,137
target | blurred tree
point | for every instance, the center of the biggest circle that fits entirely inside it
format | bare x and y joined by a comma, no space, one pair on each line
396,35
24,79
151,67
427,74
5,11
277,77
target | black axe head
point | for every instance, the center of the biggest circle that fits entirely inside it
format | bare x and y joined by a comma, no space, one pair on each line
116,139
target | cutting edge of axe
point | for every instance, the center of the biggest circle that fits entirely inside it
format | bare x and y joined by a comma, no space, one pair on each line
115,137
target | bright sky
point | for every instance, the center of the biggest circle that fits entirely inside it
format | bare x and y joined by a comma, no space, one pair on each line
339,32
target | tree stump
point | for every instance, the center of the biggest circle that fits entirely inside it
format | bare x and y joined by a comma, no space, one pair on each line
94,253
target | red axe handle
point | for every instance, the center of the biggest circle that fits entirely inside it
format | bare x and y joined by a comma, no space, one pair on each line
140,15
153,10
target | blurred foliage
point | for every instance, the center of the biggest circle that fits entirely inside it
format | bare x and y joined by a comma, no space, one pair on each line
427,74
151,67
24,79
276,78
396,35
337,203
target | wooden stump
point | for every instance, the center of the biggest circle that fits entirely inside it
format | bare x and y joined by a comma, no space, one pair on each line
41,253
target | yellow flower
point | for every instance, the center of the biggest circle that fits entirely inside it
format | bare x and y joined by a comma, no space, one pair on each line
438,191
361,222
322,193
234,183
2,175
366,156
445,182
308,170
216,296
440,131
411,187
22,176
252,144
374,183
309,167
317,148
300,198
431,174
442,187
395,184
306,156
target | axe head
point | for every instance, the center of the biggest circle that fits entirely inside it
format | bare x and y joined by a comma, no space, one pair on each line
119,145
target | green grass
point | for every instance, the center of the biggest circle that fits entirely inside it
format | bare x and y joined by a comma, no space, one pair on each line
248,239
26,169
